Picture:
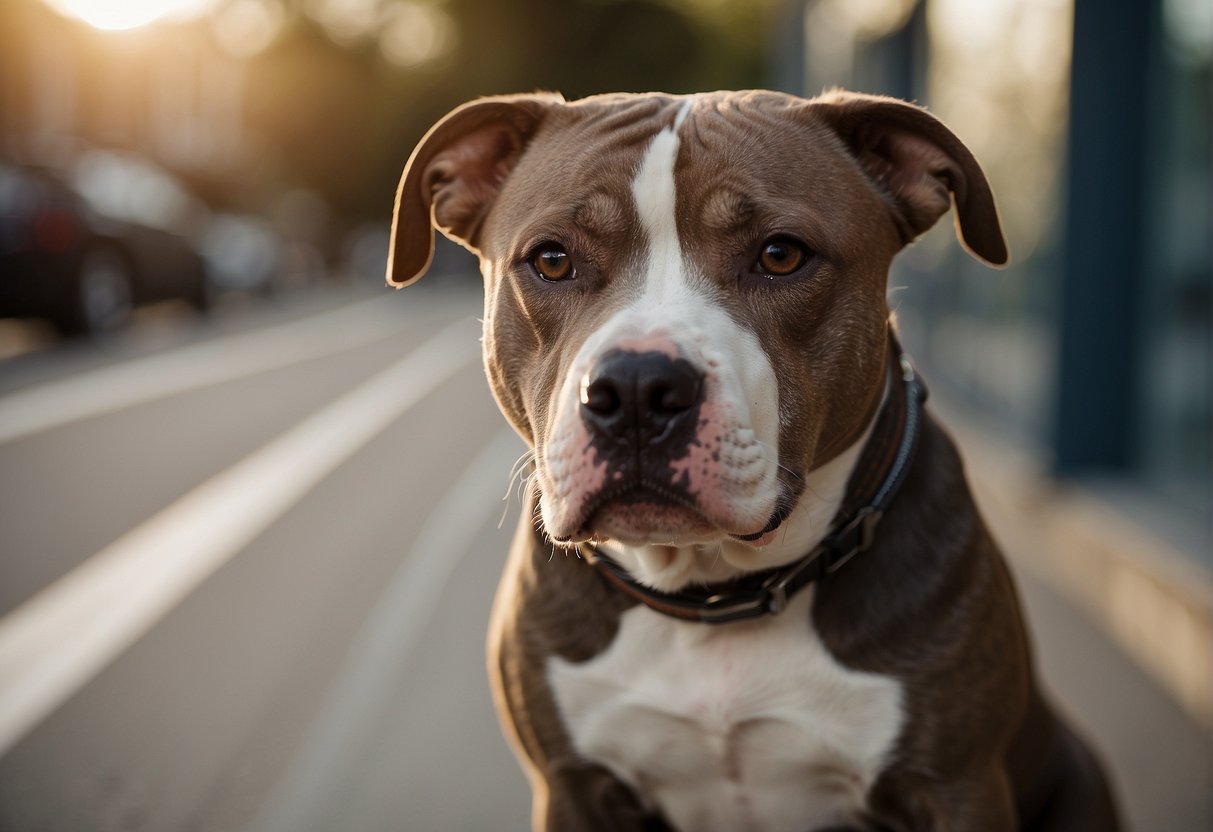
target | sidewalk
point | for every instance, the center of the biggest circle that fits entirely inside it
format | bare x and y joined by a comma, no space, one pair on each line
1122,627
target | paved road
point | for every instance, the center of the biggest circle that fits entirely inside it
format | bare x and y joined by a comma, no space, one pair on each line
289,532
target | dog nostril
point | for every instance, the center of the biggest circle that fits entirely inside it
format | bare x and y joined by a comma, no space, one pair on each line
600,396
674,396
638,395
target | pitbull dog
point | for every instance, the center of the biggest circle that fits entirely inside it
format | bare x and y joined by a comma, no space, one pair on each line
751,590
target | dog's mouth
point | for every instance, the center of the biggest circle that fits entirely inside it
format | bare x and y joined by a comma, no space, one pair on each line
783,510
640,512
645,512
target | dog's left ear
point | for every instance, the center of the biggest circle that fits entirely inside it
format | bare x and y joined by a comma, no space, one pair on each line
455,173
919,165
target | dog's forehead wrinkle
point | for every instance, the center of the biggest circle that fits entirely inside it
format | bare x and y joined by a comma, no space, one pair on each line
728,208
606,130
598,213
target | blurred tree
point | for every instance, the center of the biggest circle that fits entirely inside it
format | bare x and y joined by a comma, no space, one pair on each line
333,94
343,118
311,100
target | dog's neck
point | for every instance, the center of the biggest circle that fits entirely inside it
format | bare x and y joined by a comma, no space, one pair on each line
673,568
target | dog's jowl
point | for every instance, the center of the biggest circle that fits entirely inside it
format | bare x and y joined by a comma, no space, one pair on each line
778,608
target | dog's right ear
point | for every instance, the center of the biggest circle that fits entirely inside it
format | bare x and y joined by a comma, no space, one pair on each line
455,173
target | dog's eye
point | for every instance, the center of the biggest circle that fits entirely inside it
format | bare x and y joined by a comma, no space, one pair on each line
551,262
781,256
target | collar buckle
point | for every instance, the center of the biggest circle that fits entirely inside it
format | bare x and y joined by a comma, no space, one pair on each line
721,609
853,538
772,597
790,580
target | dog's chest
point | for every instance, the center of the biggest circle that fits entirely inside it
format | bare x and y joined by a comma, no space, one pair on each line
744,726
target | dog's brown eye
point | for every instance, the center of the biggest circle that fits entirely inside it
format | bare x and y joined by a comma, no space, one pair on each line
781,256
552,263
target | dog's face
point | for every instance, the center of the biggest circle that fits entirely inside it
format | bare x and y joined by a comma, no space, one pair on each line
685,305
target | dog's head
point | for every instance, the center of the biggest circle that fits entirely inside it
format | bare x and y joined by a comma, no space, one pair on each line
685,297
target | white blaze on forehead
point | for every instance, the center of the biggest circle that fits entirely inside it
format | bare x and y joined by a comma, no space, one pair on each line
653,190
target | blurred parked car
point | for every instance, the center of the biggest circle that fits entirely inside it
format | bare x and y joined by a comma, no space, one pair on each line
364,252
243,254
83,251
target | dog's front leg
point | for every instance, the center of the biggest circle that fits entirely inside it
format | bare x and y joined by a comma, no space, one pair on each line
548,605
981,803
583,797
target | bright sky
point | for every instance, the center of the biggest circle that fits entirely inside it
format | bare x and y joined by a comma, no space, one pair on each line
127,14
408,32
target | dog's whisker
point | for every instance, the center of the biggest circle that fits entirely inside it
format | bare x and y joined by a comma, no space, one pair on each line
528,458
516,475
767,446
526,483
895,307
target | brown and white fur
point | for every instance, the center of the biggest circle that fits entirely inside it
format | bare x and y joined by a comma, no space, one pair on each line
896,694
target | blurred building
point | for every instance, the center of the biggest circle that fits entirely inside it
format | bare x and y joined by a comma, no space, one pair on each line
166,94
175,105
1093,349
1091,119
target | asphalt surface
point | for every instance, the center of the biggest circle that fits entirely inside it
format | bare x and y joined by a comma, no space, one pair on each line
325,670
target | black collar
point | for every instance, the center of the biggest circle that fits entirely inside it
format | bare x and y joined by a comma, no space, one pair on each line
878,475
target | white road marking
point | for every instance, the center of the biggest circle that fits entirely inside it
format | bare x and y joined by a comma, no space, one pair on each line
56,642
306,798
142,380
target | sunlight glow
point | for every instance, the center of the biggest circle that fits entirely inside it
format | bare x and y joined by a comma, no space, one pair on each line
127,14
415,33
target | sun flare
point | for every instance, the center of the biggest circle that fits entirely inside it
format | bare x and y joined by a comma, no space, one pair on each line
127,14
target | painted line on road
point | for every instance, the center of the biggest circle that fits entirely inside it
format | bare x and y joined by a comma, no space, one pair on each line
193,367
56,642
307,797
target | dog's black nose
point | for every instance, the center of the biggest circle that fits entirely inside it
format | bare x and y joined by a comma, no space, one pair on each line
639,395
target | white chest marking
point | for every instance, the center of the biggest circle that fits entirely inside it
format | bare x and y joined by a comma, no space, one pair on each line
746,726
